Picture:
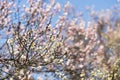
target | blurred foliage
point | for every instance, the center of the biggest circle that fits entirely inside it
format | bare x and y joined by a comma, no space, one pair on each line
70,48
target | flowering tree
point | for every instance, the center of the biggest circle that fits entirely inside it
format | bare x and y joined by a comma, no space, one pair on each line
31,41
92,52
67,47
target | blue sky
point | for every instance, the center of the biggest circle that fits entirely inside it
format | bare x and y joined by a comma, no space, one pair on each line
98,4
